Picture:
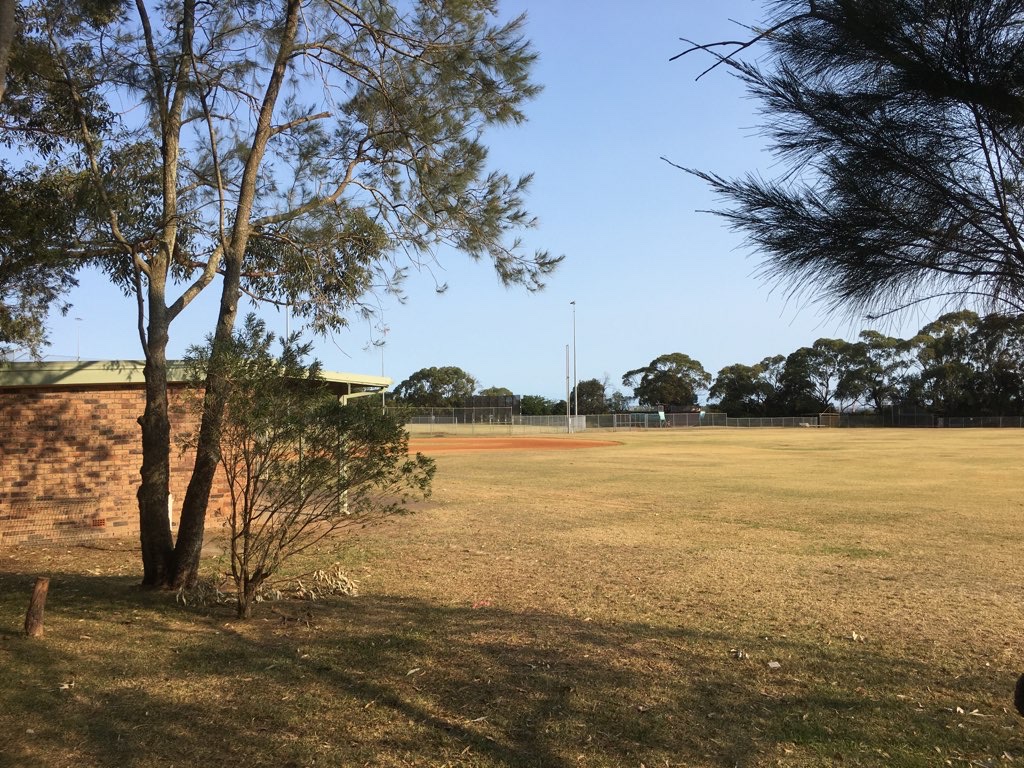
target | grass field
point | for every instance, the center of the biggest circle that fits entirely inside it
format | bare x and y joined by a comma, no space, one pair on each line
688,598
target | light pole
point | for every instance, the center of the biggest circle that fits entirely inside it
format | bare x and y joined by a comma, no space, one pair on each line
575,388
78,339
568,417
383,397
378,342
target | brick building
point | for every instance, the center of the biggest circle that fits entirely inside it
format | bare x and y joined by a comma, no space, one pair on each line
70,447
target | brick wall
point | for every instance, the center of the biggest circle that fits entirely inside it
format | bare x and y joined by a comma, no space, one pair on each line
70,458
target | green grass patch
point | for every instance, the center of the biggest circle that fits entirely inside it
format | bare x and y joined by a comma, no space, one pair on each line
851,551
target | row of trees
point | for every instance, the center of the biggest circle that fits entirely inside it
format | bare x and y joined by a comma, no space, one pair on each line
961,364
451,387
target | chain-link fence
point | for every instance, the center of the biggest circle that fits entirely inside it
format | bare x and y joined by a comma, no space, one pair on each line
494,420
892,418
482,415
499,420
981,421
487,420
703,419
889,417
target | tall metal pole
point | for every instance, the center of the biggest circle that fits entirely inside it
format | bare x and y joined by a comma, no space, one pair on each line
575,383
568,416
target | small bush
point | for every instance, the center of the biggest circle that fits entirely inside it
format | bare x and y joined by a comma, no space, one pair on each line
300,464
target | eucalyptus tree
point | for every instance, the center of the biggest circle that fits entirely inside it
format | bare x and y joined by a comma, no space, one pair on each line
671,379
436,387
591,394
49,212
742,390
997,350
799,392
822,375
8,27
948,382
536,405
32,281
970,365
616,401
496,392
299,152
885,364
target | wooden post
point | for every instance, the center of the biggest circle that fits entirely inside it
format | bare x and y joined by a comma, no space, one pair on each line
34,617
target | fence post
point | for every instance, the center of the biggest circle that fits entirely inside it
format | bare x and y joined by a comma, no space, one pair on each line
36,606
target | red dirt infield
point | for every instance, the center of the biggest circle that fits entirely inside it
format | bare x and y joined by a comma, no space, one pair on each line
431,445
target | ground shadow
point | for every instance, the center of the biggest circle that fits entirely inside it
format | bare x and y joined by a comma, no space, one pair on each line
401,681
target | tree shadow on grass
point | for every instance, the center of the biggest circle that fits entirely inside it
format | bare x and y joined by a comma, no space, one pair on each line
400,681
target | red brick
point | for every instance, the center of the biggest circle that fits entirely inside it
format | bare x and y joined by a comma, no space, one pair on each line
73,455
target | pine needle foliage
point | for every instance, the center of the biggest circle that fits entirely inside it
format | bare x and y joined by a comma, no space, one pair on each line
898,125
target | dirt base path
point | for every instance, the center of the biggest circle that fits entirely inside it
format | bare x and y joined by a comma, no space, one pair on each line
433,445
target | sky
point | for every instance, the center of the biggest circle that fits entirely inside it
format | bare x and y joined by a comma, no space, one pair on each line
649,272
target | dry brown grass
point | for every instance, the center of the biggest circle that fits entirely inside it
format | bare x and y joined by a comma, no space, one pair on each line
605,607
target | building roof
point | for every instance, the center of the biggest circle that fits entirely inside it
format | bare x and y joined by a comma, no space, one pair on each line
119,372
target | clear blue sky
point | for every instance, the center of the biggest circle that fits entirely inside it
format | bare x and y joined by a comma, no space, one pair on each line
649,273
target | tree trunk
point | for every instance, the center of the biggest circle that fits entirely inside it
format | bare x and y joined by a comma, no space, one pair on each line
197,497
192,526
246,598
154,523
8,26
34,617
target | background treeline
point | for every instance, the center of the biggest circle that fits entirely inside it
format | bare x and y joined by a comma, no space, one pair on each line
962,364
959,365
